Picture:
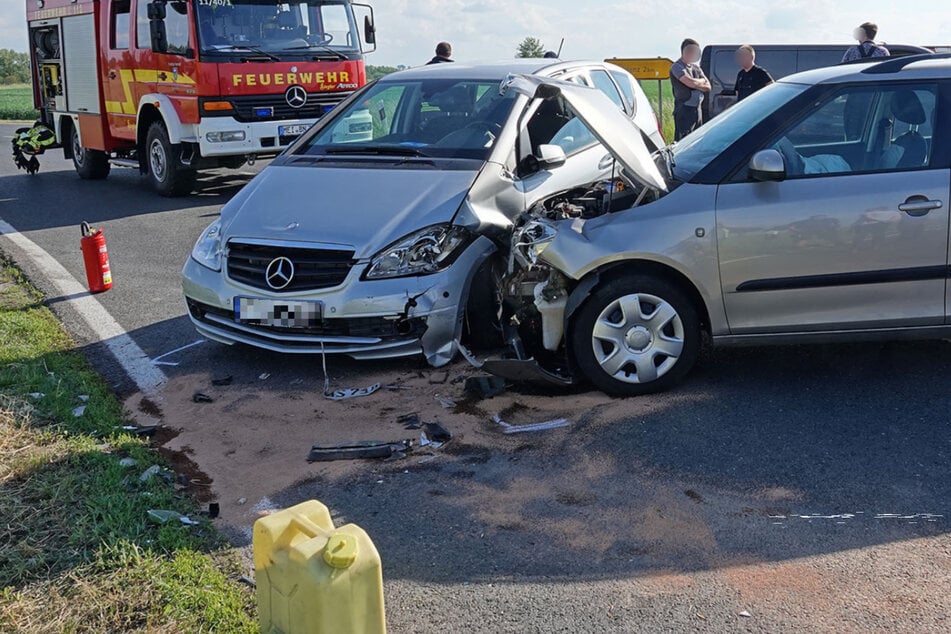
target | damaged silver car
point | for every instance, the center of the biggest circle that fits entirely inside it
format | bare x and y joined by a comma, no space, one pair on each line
814,211
391,240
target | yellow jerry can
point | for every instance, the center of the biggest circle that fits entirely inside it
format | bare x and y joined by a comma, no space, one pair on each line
316,579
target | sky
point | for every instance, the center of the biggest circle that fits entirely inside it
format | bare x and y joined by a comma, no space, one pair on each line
407,30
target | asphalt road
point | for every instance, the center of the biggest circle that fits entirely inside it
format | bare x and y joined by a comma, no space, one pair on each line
778,489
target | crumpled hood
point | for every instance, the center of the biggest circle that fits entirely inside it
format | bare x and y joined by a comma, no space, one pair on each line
363,208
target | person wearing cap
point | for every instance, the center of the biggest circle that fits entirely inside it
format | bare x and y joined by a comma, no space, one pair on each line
751,77
866,48
689,85
443,54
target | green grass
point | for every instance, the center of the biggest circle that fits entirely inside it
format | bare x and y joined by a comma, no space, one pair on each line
16,103
77,551
653,91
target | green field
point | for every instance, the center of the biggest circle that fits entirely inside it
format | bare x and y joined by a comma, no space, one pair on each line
16,103
652,91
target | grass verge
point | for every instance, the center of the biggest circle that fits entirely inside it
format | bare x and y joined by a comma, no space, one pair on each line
16,103
653,90
77,550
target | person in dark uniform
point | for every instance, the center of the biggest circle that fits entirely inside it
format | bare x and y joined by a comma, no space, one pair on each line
443,54
751,77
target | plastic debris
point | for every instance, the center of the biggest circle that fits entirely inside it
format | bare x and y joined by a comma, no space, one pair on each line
139,430
242,501
410,421
198,397
264,376
424,441
358,450
248,580
128,462
37,395
149,473
344,394
468,356
447,403
79,411
225,380
555,423
162,516
438,433
481,387
745,614
83,398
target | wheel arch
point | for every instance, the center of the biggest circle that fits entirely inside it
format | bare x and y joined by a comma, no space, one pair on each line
616,270
64,132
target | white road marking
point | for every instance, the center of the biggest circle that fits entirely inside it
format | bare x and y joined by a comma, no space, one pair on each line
158,360
126,351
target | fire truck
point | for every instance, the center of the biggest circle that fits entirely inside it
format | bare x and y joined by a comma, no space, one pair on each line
170,87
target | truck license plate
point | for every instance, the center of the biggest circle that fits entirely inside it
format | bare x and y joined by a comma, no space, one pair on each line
278,313
292,130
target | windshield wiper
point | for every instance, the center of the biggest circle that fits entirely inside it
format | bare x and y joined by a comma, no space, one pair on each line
327,49
381,150
253,49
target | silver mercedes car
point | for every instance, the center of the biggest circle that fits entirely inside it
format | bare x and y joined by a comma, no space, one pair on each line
390,239
814,211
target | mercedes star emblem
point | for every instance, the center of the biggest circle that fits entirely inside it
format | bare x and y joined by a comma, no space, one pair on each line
279,273
296,97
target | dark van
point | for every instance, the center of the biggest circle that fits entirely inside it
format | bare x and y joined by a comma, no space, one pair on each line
779,59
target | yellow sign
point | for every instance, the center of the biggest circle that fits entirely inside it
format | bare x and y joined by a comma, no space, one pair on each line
644,67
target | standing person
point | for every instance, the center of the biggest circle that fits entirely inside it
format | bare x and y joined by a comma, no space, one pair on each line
867,48
751,77
689,85
443,54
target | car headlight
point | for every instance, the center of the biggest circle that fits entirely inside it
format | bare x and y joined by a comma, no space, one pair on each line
207,250
429,250
530,240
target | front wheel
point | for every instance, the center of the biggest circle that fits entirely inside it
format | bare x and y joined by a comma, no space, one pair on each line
636,335
89,164
166,174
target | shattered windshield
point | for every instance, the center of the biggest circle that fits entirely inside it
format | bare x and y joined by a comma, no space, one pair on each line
699,148
272,26
440,118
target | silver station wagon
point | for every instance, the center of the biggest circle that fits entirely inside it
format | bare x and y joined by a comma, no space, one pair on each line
387,240
816,210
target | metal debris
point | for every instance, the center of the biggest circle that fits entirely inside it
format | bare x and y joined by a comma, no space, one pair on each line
410,421
554,423
358,450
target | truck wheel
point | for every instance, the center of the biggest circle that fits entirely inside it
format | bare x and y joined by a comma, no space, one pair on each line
636,335
90,164
167,175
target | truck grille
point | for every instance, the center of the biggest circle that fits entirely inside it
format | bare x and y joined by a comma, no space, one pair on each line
313,268
249,108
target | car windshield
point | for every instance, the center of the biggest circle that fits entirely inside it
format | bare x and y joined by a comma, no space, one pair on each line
697,149
272,26
438,118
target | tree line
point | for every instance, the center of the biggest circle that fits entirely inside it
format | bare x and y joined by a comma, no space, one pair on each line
14,67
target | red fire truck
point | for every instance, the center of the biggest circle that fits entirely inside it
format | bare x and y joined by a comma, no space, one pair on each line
173,86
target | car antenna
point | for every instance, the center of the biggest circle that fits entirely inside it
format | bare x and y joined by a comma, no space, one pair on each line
560,46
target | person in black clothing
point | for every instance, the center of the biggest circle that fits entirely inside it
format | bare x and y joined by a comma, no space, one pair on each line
689,86
443,54
751,77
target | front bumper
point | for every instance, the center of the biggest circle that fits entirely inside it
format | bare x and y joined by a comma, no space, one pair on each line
376,319
260,137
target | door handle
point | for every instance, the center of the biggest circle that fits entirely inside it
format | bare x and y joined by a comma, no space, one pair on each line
112,74
919,205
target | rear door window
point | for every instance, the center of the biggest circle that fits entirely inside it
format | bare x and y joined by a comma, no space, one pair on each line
624,81
604,83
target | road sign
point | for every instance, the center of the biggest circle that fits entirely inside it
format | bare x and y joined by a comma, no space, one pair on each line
644,67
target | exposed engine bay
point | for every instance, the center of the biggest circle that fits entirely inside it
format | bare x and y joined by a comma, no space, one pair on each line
534,296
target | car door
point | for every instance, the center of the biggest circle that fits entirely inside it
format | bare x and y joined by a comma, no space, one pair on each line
118,58
856,236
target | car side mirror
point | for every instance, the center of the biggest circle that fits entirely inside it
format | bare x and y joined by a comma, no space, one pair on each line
767,166
550,156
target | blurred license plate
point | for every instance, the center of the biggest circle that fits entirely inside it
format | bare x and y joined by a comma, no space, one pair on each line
283,314
292,130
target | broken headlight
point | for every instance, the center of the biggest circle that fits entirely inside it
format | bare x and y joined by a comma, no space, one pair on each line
530,240
207,250
429,250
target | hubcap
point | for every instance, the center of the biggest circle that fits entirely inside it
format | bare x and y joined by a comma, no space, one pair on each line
638,338
78,153
157,160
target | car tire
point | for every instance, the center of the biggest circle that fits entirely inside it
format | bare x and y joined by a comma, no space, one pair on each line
167,176
647,320
89,164
481,330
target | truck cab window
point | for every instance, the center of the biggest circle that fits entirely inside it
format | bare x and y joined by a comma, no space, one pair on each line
176,26
143,36
119,25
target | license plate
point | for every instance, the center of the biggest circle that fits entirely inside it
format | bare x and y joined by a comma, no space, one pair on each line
279,313
292,130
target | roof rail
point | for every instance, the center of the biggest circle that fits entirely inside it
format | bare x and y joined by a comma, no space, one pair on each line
895,64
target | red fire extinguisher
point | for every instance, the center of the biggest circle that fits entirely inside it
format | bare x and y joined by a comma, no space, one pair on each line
95,259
